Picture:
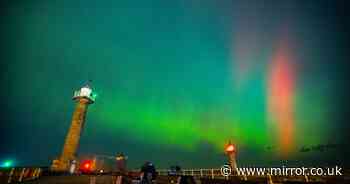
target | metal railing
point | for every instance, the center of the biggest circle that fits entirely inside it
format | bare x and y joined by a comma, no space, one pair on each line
210,173
17,175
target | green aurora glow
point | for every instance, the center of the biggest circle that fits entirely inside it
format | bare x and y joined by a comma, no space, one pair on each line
166,78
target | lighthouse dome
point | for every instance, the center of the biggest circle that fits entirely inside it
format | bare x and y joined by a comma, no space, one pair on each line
85,91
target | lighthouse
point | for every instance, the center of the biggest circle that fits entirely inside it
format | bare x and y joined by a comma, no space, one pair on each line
83,98
231,151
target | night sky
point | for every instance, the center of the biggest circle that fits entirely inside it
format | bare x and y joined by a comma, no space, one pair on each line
177,79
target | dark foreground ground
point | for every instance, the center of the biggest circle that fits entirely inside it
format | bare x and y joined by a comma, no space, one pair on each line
44,176
72,180
107,179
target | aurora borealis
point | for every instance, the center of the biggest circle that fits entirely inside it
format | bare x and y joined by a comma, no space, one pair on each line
281,97
176,80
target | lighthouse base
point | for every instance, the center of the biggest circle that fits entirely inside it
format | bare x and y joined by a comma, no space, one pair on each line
59,165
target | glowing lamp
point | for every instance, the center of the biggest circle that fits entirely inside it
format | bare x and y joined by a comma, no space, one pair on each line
87,166
230,148
85,92
7,163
